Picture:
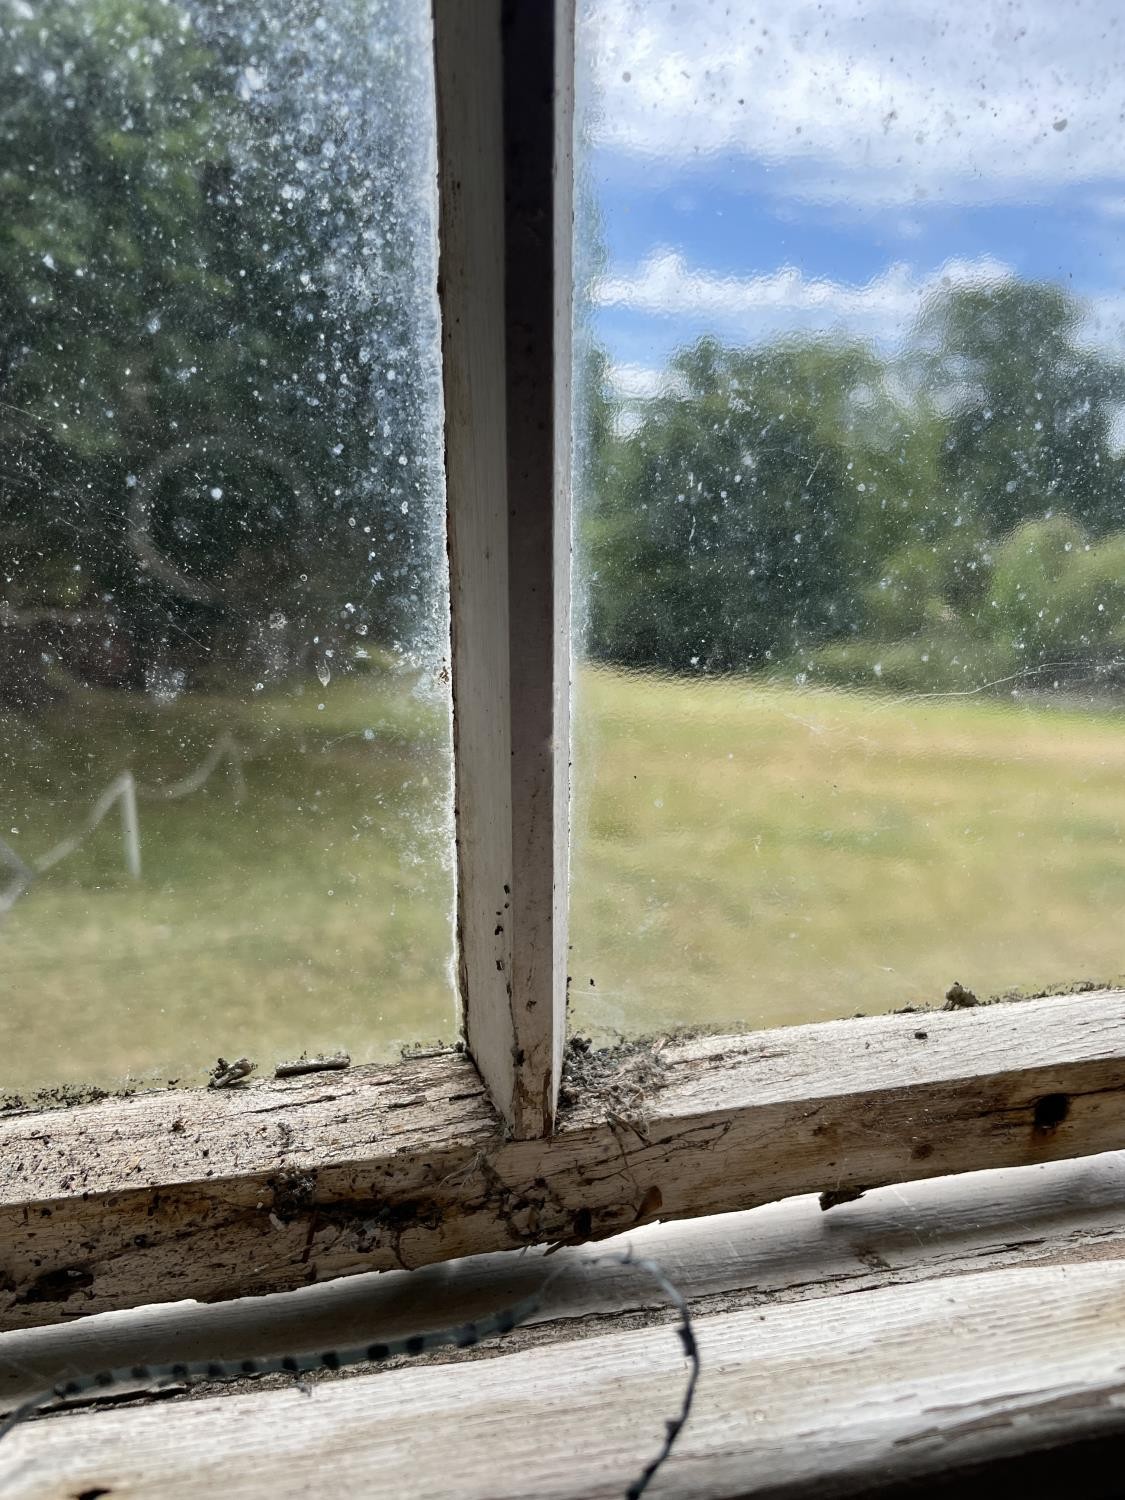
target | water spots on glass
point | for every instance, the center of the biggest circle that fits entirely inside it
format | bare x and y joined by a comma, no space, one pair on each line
219,348
851,522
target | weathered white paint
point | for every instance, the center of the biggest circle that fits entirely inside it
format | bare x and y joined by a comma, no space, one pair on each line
505,110
896,1382
286,1182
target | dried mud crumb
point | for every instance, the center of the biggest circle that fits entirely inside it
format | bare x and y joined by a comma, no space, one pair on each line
226,1075
957,997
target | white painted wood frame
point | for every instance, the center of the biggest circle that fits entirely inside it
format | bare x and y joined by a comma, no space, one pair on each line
504,83
215,1194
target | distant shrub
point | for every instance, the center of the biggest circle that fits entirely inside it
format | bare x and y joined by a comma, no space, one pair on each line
1054,593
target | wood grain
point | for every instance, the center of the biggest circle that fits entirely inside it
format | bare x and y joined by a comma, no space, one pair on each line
467,70
828,1397
505,111
218,1194
1056,1213
538,44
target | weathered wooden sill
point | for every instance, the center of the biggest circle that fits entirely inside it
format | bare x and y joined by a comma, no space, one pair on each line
960,1336
220,1194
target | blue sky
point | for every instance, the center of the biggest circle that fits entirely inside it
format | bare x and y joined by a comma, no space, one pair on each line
763,167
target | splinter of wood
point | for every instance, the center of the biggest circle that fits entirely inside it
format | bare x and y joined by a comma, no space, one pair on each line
225,1075
334,1061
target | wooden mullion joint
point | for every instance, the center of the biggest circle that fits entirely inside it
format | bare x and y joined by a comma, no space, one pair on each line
214,1194
504,76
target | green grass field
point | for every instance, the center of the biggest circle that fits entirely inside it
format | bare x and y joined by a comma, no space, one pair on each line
753,855
744,855
316,913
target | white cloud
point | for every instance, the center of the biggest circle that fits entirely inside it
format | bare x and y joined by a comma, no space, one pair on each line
636,382
895,101
753,308
1111,205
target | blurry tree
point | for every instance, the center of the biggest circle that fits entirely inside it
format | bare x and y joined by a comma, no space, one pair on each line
740,518
213,372
771,498
1057,599
1029,406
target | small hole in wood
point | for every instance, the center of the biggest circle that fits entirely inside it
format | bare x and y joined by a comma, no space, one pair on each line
1051,1111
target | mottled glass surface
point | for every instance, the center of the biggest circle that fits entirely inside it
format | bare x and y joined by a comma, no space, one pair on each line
224,715
851,531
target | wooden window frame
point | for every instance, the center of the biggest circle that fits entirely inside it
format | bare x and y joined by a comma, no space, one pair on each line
504,81
218,1194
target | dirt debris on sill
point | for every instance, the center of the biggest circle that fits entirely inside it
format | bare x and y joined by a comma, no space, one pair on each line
958,997
66,1096
297,1067
620,1079
416,1051
625,1074
226,1075
71,1095
1076,987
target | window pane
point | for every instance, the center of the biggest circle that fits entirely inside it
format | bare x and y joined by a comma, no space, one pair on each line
223,610
852,532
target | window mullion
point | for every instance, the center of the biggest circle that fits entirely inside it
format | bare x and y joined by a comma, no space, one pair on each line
505,109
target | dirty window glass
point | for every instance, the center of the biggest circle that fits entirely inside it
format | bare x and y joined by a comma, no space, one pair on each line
851,536
224,717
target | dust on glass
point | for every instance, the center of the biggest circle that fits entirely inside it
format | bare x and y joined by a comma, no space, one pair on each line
224,719
851,524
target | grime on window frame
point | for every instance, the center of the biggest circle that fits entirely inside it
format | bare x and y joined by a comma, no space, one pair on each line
515,1137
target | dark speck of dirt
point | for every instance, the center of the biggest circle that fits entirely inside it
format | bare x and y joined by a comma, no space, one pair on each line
957,997
835,1196
57,1286
1051,1111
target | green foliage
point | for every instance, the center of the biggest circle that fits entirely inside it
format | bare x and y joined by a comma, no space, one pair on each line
774,501
205,235
1029,429
729,526
1056,594
909,591
213,398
